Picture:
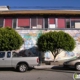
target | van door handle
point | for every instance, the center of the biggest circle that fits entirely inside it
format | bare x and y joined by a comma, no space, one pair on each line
2,59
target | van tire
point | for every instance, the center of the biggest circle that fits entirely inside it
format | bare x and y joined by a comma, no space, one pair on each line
22,67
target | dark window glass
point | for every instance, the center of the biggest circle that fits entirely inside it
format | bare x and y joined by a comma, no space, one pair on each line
75,22
72,24
1,22
2,54
46,22
8,54
15,54
14,23
67,23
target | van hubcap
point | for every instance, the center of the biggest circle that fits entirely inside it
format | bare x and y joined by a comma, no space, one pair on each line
22,68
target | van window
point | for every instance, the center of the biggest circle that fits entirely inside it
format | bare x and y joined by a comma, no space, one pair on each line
2,54
8,54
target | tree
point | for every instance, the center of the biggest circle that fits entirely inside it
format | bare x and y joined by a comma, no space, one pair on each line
9,39
55,42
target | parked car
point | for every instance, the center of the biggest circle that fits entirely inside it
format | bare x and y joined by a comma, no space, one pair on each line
12,59
74,63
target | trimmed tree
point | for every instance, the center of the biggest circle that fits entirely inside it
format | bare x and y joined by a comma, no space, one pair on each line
9,39
55,42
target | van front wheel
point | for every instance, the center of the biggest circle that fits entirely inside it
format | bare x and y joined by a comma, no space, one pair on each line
22,67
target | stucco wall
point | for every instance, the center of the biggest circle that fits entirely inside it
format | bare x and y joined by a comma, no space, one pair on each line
30,37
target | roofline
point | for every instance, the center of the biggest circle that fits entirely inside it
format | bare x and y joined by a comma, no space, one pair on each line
23,12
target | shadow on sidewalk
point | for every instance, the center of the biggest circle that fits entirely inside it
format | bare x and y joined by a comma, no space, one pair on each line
59,69
64,70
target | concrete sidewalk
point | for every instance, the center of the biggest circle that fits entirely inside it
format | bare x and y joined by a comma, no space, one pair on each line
44,66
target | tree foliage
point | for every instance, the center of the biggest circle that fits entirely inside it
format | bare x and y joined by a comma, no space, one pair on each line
9,39
55,41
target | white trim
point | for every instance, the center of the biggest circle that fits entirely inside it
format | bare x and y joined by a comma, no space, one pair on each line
43,23
36,22
70,22
17,24
48,22
56,22
12,22
3,23
30,23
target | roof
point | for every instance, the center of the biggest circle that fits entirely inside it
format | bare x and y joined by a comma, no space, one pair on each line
56,12
4,8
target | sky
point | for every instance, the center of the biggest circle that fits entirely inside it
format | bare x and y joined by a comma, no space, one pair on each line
42,3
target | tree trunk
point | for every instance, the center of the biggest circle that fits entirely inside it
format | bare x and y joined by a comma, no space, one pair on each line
55,53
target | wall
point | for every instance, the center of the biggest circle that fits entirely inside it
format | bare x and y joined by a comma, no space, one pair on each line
30,37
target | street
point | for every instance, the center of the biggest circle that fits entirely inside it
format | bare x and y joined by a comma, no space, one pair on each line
55,73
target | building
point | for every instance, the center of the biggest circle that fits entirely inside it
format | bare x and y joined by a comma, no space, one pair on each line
30,24
40,19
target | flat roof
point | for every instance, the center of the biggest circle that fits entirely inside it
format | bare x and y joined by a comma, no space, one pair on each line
56,12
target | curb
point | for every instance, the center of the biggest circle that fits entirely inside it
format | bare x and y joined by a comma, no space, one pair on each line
44,67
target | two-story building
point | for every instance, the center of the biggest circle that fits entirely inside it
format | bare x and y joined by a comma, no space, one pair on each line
30,24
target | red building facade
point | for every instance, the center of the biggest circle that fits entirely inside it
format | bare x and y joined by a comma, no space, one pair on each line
40,19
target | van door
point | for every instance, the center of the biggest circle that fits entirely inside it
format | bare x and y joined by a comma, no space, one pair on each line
2,59
8,59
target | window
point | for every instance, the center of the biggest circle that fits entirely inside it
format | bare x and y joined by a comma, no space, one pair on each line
36,22
14,23
52,23
2,54
23,23
67,23
33,22
8,22
1,23
61,23
46,22
40,22
14,54
75,22
8,54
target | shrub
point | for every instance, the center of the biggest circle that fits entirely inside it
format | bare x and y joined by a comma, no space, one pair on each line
9,39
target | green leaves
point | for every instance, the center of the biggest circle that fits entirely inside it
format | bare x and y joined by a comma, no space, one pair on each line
9,39
53,41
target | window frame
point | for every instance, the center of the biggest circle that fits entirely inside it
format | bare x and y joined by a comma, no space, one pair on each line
3,22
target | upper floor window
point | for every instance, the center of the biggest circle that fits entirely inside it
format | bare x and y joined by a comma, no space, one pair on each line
23,23
8,22
36,22
52,22
75,22
44,22
68,23
14,24
1,23
61,23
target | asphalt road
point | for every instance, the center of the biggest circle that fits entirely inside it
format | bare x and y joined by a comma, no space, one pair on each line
56,73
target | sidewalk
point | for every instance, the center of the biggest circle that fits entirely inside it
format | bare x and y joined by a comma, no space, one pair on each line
44,66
